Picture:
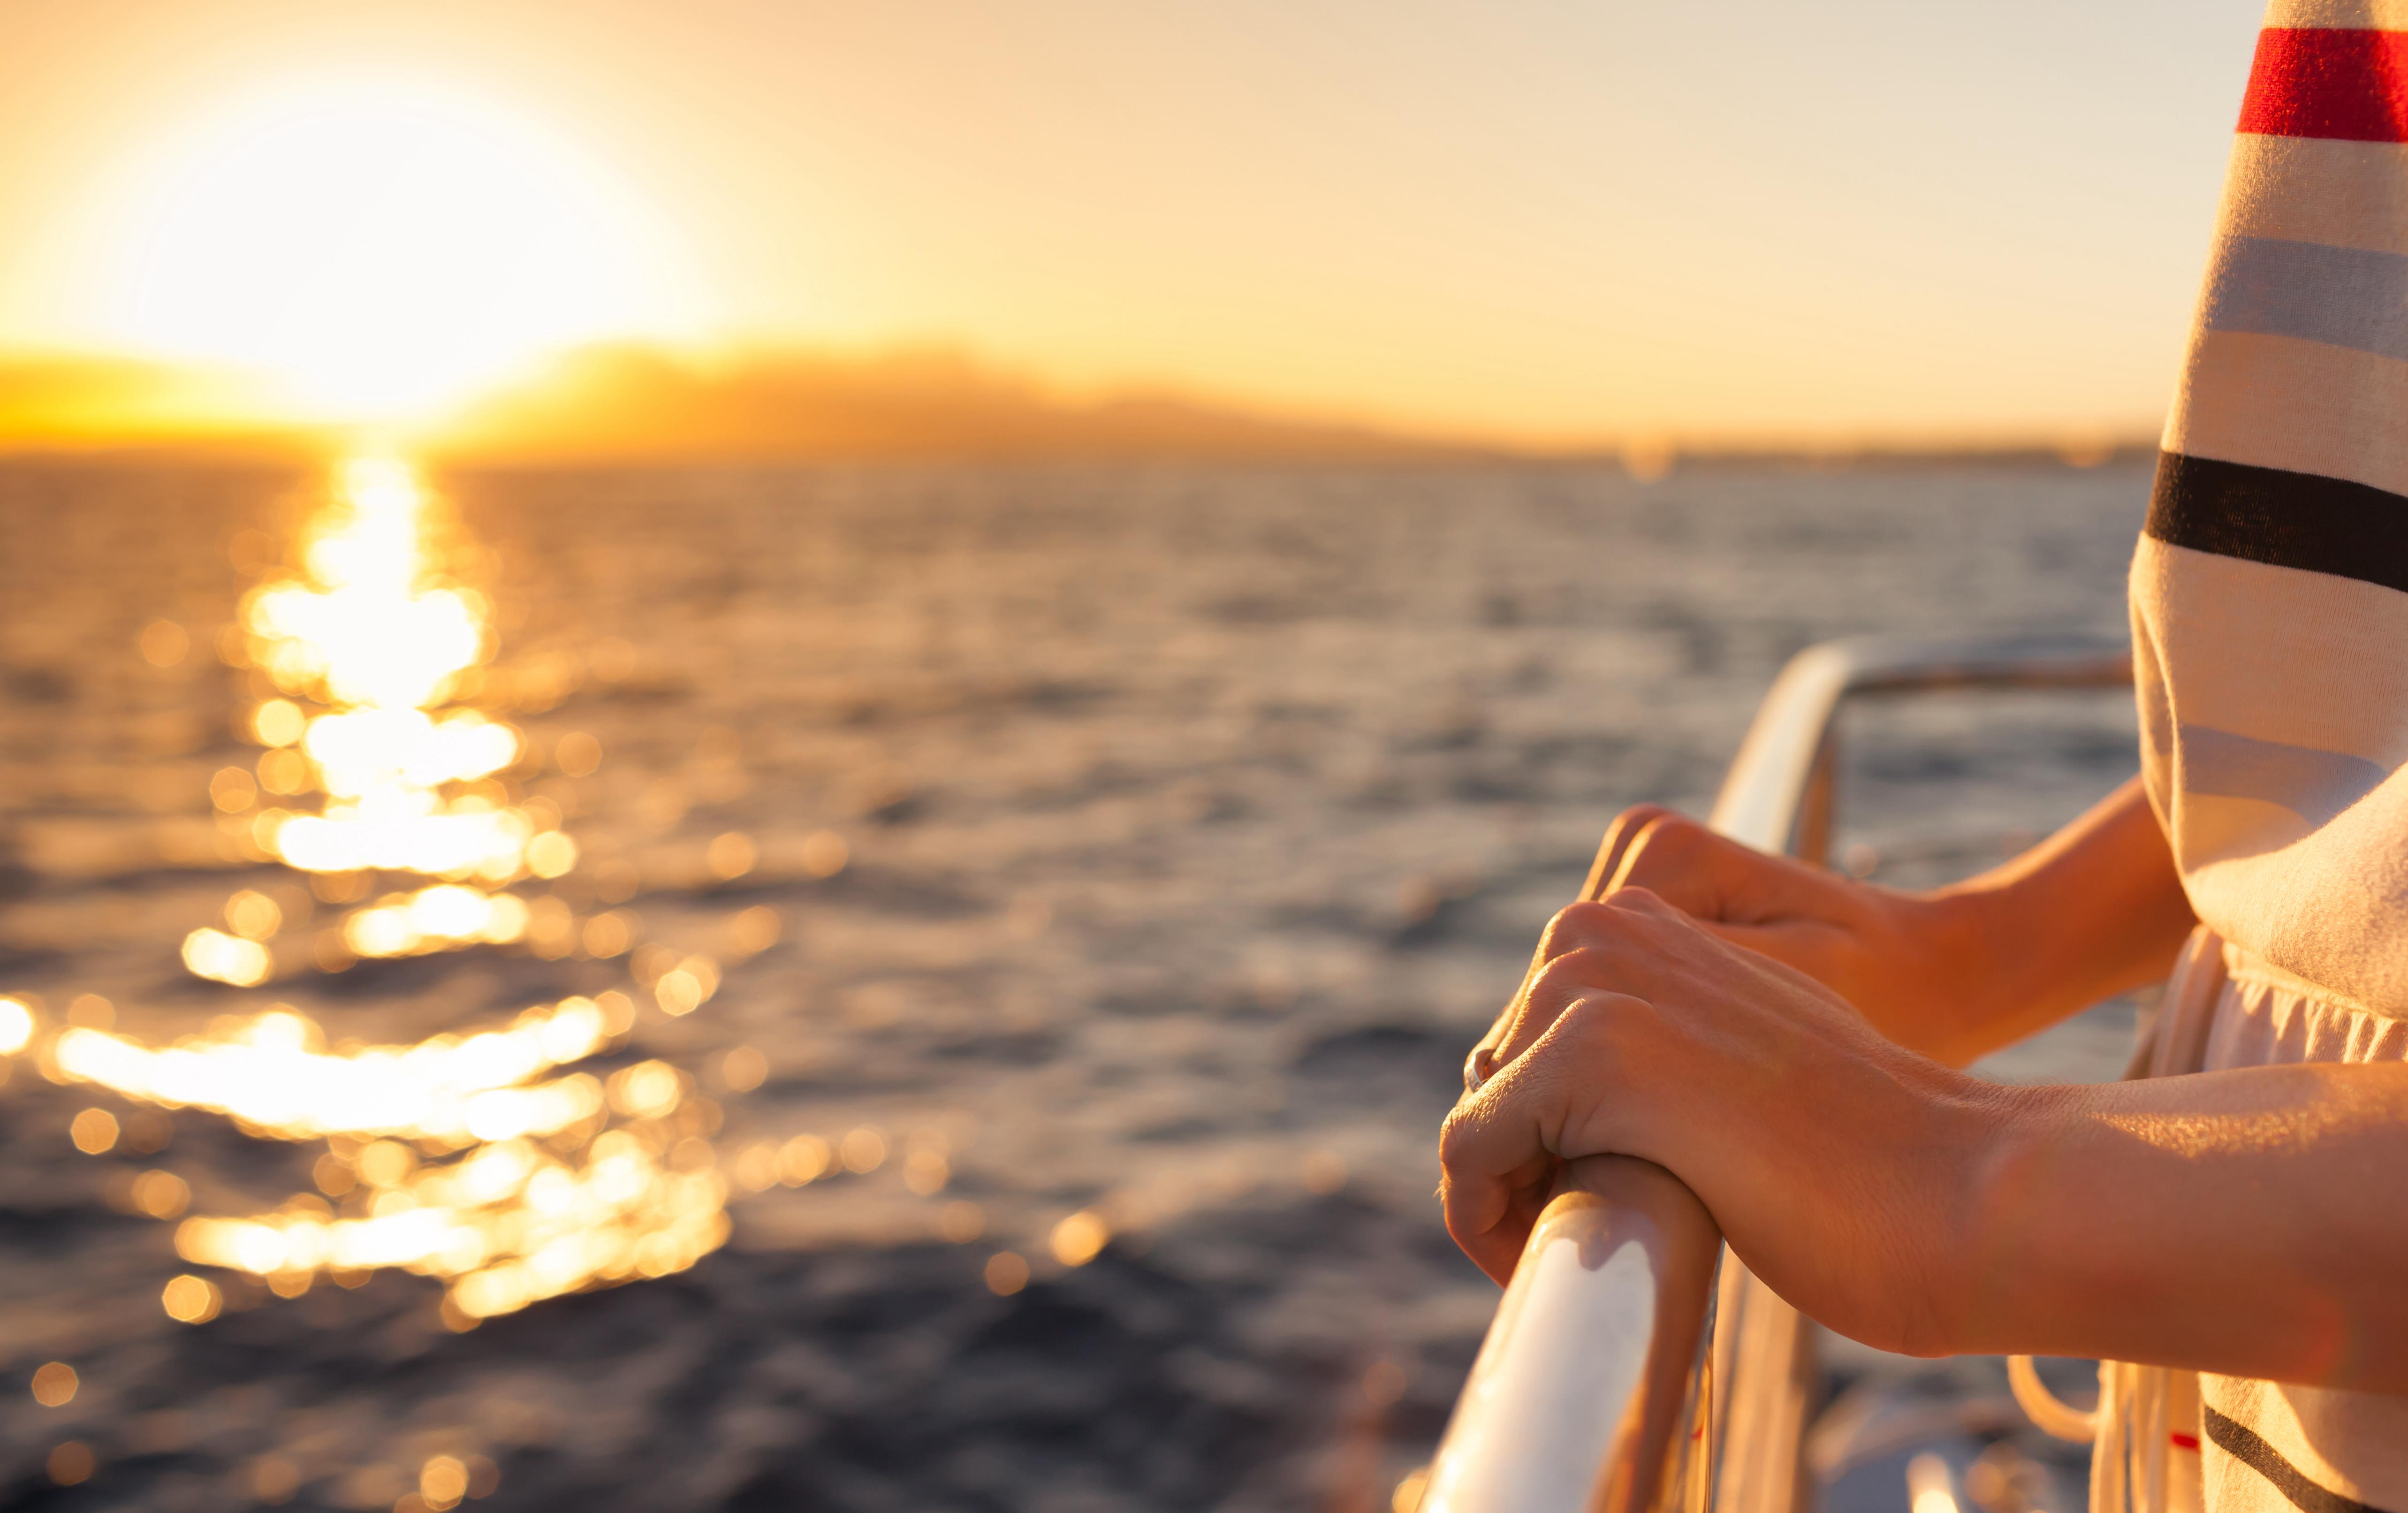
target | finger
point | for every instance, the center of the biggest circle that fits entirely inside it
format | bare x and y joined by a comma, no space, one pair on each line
1612,945
1632,899
1686,864
1647,846
1621,836
1654,935
1797,943
1480,1063
1500,1147
1662,946
1497,1248
1712,877
1625,829
1560,984
1573,927
1805,946
1489,1215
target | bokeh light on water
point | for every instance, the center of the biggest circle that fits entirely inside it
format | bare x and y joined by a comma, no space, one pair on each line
378,636
477,1159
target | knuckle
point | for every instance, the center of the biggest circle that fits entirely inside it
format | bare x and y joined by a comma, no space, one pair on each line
1454,1137
1650,920
1598,1023
1574,972
1642,900
1590,1016
1574,926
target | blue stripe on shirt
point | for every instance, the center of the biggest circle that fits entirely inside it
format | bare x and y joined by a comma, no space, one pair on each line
2342,296
2313,785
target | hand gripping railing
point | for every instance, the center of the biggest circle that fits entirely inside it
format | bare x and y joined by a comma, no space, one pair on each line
1621,1373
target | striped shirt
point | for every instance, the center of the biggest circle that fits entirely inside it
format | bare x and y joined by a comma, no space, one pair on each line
2269,612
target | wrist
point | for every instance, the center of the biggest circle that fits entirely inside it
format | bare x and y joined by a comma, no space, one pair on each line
1904,1277
1926,972
1992,1153
1983,951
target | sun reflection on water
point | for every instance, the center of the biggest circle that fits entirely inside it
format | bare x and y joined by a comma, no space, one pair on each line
267,1073
486,1161
377,635
513,1221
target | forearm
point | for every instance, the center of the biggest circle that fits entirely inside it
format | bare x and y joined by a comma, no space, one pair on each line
2095,910
2245,1222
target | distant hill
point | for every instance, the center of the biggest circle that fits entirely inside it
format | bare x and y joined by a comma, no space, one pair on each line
638,403
67,402
619,404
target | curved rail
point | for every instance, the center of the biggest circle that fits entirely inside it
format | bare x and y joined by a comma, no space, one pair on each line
1600,1387
1589,1383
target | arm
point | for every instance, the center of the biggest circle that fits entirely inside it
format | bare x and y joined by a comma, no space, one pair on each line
2094,910
2245,1222
2239,1222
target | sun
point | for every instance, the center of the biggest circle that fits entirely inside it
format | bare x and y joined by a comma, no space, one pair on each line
381,248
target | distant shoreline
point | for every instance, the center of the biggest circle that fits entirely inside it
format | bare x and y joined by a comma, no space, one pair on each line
635,406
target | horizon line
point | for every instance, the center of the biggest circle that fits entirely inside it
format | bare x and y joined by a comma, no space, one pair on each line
763,401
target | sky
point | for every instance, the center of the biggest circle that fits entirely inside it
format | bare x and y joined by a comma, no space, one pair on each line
1526,220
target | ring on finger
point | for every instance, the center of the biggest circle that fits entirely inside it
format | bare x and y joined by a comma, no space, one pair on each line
1478,1068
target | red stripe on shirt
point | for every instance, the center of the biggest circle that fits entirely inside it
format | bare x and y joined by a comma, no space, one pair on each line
2347,85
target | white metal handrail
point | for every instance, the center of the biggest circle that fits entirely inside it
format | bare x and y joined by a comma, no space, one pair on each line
1588,1392
1600,1387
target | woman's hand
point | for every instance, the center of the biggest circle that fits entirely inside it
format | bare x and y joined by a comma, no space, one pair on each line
1953,973
1833,1159
1893,955
2230,1221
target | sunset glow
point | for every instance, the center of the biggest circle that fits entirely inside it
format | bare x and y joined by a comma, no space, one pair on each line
1542,226
381,248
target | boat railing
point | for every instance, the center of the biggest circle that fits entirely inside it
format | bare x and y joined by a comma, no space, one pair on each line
1634,1364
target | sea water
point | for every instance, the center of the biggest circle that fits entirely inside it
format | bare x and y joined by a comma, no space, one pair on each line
1141,846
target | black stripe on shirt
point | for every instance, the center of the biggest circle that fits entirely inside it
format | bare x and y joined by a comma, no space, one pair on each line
2244,1445
2284,519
